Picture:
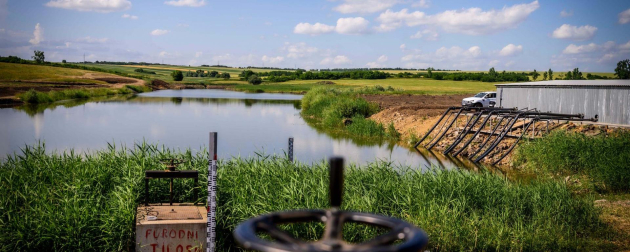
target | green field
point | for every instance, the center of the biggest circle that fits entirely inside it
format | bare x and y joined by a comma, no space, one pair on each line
21,72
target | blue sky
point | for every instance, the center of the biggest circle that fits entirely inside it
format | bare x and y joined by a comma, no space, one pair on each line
466,35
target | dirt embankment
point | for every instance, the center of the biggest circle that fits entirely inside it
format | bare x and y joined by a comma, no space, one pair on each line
412,114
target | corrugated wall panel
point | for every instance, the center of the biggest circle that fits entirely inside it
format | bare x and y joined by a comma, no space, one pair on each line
612,105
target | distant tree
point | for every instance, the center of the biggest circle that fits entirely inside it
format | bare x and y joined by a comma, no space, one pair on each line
535,75
430,72
39,57
492,72
577,75
550,74
569,76
177,75
254,80
213,74
226,76
623,69
246,74
63,61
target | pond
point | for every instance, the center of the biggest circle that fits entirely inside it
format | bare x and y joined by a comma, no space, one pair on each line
247,125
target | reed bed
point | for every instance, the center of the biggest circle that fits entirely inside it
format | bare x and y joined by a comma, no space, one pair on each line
86,202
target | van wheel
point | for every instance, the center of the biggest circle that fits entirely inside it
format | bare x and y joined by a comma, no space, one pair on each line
478,105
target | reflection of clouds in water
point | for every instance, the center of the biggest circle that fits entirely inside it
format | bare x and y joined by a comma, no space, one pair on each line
38,124
269,111
157,131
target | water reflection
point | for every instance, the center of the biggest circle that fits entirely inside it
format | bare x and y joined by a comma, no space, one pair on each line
247,124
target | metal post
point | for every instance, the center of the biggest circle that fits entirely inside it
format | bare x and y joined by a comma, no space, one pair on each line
291,149
146,191
212,193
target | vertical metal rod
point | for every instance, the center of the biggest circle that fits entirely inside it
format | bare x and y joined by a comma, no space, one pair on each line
291,149
336,181
170,198
196,188
212,193
146,191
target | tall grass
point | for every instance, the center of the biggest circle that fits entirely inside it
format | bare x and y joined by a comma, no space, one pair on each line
37,97
69,201
343,108
605,159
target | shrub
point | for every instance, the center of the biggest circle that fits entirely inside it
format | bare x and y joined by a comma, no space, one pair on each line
254,80
33,96
177,75
225,76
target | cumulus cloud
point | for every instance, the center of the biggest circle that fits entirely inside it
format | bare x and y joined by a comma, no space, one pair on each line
272,60
403,47
186,3
448,57
565,13
313,29
624,17
364,6
352,26
421,4
493,63
299,50
38,35
511,50
581,33
378,63
426,34
574,49
103,6
472,21
130,16
158,32
198,54
337,60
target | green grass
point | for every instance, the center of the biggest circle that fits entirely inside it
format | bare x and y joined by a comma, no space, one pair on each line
604,159
36,97
23,72
69,201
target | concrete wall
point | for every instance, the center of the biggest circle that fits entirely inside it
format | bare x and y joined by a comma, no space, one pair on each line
611,104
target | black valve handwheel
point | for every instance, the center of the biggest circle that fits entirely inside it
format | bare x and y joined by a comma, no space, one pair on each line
412,239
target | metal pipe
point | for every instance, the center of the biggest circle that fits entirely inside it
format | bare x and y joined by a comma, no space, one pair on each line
514,145
476,134
496,142
488,138
440,130
465,132
446,130
432,128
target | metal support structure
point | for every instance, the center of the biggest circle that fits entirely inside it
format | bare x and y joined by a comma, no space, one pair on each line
516,142
432,128
465,131
446,130
290,149
488,117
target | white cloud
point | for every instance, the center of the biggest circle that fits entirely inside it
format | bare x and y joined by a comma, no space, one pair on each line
427,34
38,35
272,60
472,21
352,26
299,50
163,54
364,6
606,58
158,32
510,63
90,40
186,3
511,50
378,63
574,33
403,47
198,54
624,17
103,6
422,4
313,29
454,57
565,13
130,16
493,63
625,47
574,49
337,60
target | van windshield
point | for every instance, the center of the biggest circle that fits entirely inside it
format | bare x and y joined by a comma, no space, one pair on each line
480,95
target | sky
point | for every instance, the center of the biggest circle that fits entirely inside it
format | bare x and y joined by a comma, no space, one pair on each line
519,35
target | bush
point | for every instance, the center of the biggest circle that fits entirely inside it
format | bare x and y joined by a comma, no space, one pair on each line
34,97
177,75
254,80
226,76
604,159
